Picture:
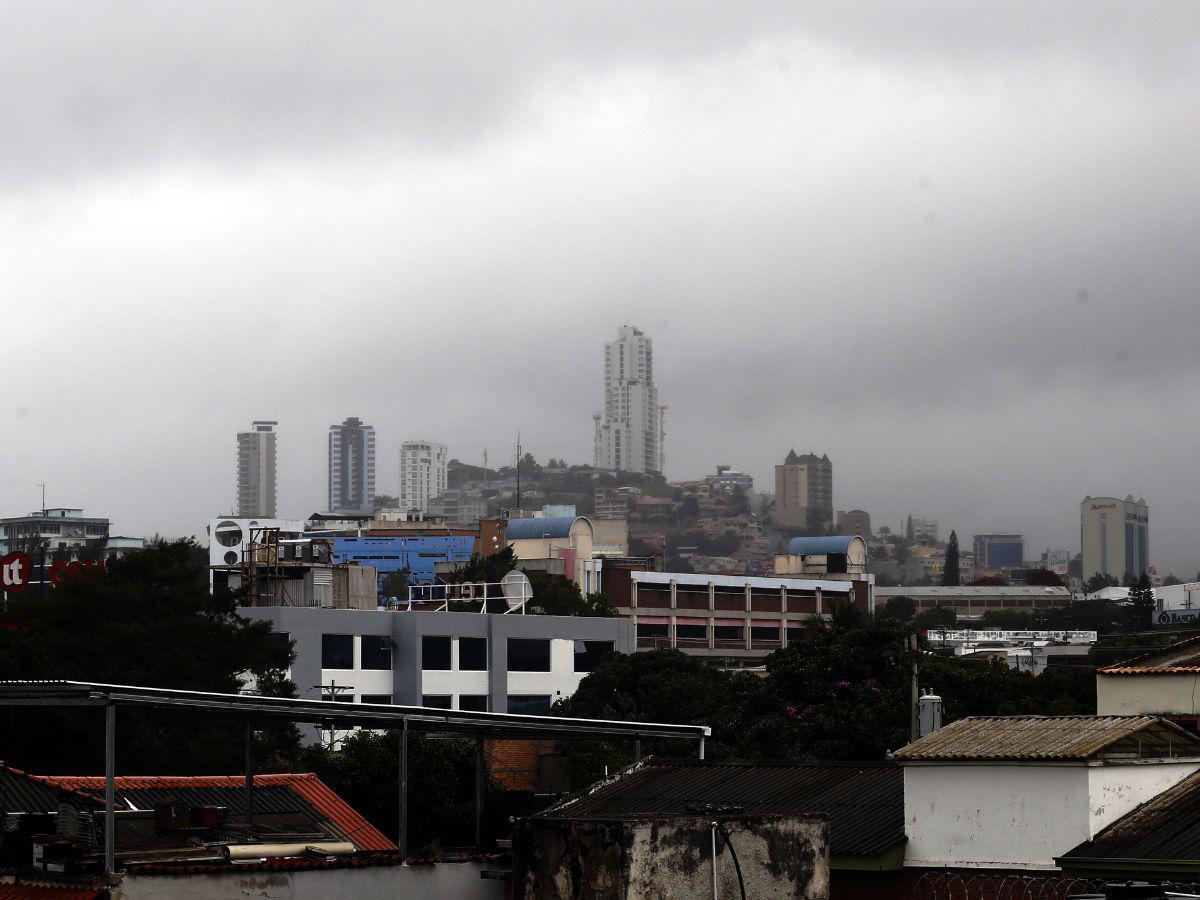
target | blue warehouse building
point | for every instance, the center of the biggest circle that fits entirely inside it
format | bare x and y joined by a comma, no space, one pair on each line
418,554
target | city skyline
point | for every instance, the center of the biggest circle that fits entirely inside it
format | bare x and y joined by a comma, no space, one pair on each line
954,257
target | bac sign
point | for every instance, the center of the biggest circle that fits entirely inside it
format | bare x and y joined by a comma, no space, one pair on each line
15,570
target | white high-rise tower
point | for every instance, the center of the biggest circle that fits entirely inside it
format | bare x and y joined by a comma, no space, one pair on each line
256,471
628,430
423,474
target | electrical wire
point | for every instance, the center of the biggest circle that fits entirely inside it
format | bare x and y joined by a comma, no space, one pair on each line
733,853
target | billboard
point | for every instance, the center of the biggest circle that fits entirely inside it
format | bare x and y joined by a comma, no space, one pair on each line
1174,616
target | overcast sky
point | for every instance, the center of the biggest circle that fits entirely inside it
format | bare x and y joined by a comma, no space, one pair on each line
954,246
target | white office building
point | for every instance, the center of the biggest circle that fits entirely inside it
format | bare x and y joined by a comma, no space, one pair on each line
352,468
629,430
1115,536
256,461
423,474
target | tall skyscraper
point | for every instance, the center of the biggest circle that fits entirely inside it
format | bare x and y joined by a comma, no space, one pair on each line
1115,536
256,471
422,474
629,430
352,468
804,492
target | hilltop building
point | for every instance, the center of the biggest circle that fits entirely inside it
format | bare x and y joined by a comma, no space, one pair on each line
855,521
352,467
256,461
804,492
423,474
1115,536
629,430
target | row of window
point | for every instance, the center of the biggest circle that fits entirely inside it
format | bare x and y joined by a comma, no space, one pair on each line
525,704
524,654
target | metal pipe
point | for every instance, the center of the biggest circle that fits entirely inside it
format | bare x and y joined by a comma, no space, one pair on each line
713,829
249,773
110,789
702,746
403,842
637,749
478,793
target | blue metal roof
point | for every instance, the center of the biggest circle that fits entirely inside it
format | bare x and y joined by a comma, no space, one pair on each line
820,546
539,529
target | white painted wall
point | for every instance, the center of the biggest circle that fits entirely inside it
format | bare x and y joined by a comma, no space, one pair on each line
1018,816
458,880
1115,790
561,681
1127,695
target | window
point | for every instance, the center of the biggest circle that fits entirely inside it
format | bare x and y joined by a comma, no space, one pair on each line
339,695
337,651
691,632
473,702
376,652
651,630
437,701
377,698
764,633
589,653
529,704
472,654
435,652
528,655
727,632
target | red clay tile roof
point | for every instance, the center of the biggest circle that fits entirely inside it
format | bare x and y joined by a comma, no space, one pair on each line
314,791
46,892
1134,664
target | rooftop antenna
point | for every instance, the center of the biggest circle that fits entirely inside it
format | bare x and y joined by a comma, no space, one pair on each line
486,481
518,471
43,485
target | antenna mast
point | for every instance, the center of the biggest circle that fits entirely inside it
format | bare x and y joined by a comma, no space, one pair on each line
518,471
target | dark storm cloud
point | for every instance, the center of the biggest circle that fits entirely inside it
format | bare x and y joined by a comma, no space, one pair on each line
952,245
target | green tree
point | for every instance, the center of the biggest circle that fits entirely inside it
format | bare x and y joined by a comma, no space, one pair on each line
1043,577
364,771
489,569
950,574
901,608
1141,601
937,617
1099,582
395,584
1171,580
148,619
688,510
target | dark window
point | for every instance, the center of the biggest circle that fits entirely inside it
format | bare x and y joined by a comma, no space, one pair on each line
437,701
529,704
340,696
435,652
472,654
376,652
337,651
727,632
691,632
644,630
377,698
528,655
473,702
764,633
589,653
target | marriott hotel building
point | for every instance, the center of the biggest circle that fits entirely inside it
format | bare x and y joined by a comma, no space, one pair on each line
1115,536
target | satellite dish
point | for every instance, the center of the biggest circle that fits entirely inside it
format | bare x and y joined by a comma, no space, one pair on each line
516,588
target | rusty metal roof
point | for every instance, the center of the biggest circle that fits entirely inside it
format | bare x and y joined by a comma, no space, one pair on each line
1053,738
1165,828
1143,662
864,801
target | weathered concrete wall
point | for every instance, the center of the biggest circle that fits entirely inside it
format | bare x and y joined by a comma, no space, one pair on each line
457,880
669,858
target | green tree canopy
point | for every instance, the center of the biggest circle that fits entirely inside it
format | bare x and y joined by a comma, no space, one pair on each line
148,620
950,573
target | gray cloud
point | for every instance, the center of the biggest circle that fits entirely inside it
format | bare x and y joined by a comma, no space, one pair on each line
952,246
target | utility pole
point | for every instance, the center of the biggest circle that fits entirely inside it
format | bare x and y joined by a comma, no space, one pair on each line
333,687
914,725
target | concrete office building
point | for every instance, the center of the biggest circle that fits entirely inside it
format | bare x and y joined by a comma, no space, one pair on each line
352,467
458,506
804,492
629,430
256,460
453,660
1115,536
855,521
57,529
423,474
999,551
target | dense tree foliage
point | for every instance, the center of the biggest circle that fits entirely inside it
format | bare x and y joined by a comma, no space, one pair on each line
950,573
1043,577
1098,582
364,771
554,595
902,608
148,620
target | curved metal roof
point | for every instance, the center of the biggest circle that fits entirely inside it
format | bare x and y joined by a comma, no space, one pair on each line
818,546
539,529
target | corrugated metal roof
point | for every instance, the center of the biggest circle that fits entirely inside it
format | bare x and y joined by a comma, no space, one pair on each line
48,892
1139,663
819,546
976,590
539,529
294,793
1051,738
864,801
1164,828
